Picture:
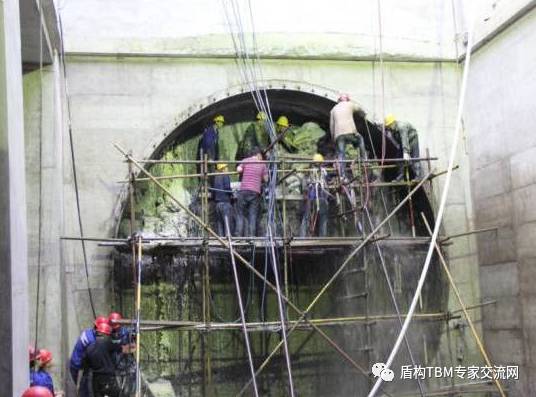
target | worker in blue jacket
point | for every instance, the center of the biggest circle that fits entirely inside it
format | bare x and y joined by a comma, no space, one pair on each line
86,338
209,140
39,376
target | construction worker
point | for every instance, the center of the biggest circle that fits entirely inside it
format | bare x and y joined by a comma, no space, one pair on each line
37,391
99,357
316,198
256,135
40,376
254,173
125,364
86,338
344,131
209,140
222,194
406,137
285,134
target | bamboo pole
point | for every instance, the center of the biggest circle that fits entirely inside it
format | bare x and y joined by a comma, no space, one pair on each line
462,305
138,319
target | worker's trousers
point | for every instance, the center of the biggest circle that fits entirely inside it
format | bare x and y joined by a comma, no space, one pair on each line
247,208
356,140
224,209
313,215
105,385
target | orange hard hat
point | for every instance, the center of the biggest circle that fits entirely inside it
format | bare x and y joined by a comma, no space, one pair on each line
37,391
112,318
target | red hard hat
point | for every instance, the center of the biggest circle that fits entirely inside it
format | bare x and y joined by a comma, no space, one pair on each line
112,318
344,97
104,328
100,320
44,356
37,391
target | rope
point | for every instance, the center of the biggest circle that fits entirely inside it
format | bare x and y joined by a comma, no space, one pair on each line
40,209
242,314
441,211
73,161
382,79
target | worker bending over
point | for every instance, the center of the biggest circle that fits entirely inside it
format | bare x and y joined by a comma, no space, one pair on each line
125,363
209,140
99,357
344,131
406,137
316,196
222,194
254,172
76,363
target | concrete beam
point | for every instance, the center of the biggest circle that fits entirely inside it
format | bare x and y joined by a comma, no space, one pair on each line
13,247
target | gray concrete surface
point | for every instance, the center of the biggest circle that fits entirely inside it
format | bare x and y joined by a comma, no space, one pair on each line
500,120
13,234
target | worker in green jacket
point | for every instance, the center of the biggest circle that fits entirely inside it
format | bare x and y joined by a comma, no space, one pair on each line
405,135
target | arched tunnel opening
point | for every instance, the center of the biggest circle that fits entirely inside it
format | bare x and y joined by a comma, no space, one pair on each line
186,276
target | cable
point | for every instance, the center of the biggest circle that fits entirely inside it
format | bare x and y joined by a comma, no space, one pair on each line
75,178
440,213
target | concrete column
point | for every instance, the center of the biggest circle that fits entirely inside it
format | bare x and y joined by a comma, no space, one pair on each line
13,246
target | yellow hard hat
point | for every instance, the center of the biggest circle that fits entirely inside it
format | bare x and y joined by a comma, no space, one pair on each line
221,166
219,118
318,158
261,116
389,119
282,121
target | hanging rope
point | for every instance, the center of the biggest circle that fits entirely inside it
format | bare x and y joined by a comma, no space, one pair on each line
73,161
40,209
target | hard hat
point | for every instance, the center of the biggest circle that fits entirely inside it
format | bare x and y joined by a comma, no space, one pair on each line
100,320
44,356
104,328
37,391
112,318
219,118
221,166
344,98
318,158
282,121
261,116
389,119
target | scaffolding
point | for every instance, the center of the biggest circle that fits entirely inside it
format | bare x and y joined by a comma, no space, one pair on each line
211,244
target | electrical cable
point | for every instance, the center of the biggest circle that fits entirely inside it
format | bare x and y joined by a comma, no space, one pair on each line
73,161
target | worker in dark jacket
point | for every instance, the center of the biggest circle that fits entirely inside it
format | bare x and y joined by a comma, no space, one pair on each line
40,376
86,338
406,137
125,364
222,194
99,360
256,136
209,140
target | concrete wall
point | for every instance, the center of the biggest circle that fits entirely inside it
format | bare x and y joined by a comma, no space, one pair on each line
500,119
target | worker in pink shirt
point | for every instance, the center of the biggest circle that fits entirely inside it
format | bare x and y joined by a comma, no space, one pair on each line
254,173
